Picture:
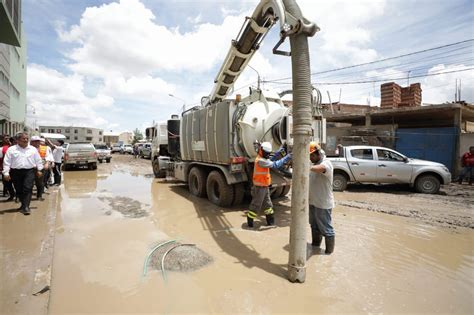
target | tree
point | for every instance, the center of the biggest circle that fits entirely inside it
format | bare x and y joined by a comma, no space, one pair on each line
137,136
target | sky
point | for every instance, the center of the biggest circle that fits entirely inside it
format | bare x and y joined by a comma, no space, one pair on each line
114,64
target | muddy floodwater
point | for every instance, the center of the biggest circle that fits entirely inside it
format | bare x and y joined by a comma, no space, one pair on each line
111,218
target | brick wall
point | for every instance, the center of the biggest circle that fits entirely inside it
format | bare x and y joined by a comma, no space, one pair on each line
394,96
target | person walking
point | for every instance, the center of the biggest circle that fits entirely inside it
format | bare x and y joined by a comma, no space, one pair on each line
58,152
467,162
7,185
39,180
262,181
321,199
20,165
48,162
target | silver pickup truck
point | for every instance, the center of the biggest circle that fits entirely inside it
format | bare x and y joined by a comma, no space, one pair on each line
368,164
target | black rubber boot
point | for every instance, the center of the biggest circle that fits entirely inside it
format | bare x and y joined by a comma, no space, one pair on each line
270,219
250,222
330,242
317,238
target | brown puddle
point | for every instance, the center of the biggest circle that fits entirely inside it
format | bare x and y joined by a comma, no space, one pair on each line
382,263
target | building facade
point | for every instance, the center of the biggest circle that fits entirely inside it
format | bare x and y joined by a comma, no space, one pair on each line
76,134
111,138
12,68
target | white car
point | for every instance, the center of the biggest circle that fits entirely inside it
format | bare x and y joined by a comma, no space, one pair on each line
127,148
103,153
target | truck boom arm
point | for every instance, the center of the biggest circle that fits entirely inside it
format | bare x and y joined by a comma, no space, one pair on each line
252,33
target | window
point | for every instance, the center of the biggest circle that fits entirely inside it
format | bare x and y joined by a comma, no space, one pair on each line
58,130
50,130
363,154
100,133
75,137
67,131
100,139
67,137
75,131
89,131
43,130
88,138
385,155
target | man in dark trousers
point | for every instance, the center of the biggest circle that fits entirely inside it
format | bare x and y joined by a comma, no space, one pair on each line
321,199
58,152
21,164
262,181
467,162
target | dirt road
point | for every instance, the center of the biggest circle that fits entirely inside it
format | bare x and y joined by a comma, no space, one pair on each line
453,207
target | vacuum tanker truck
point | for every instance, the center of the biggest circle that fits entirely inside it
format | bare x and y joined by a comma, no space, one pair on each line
212,147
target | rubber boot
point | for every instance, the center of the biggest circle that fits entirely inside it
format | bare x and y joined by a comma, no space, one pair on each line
330,242
317,238
270,219
250,222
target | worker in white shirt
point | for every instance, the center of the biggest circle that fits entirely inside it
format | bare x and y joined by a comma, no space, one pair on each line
20,165
58,152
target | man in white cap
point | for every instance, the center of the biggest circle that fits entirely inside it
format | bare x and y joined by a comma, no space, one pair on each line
20,165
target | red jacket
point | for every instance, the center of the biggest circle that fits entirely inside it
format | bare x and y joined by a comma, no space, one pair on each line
4,151
468,159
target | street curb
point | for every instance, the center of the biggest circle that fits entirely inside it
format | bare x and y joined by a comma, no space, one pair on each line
43,270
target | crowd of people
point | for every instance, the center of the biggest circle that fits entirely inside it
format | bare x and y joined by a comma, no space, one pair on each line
26,163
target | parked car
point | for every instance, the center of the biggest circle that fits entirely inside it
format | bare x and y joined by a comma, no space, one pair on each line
103,153
116,148
369,164
145,151
80,154
127,148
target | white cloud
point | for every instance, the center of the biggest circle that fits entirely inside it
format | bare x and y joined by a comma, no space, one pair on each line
60,99
124,38
441,88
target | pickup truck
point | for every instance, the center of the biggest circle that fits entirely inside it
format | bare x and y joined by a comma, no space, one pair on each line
370,164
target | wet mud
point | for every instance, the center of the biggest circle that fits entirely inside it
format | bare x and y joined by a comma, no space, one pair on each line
382,263
129,207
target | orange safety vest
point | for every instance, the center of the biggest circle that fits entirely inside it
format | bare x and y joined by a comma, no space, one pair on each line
42,151
261,175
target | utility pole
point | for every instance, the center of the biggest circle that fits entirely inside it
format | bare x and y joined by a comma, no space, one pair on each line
258,76
302,94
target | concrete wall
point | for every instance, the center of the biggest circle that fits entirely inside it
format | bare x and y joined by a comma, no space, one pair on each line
18,82
4,84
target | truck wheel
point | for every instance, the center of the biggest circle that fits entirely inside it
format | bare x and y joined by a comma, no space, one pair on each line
218,191
108,160
197,182
156,169
100,161
276,192
427,184
239,193
285,191
339,182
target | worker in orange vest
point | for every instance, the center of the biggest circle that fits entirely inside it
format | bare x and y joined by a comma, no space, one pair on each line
43,152
262,181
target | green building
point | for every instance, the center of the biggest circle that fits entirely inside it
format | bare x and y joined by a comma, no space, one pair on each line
12,68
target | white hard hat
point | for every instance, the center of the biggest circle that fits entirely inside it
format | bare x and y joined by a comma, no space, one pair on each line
35,138
266,146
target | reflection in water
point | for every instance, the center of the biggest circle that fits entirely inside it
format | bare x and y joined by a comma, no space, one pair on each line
80,183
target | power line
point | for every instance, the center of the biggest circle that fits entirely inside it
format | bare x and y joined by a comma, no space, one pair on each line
375,81
385,59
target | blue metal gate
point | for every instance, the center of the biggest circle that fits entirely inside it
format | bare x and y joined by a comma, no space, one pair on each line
432,144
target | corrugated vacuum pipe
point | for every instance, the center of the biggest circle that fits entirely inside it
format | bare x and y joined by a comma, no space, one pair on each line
302,136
